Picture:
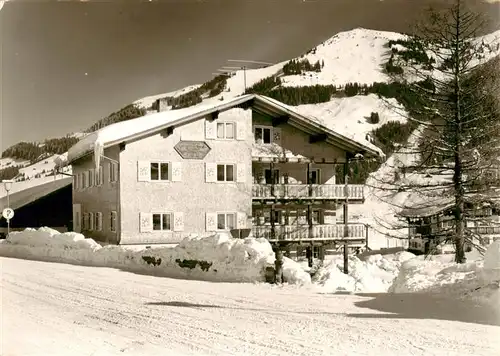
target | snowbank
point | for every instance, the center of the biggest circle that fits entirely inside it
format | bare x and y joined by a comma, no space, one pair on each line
373,275
215,258
477,280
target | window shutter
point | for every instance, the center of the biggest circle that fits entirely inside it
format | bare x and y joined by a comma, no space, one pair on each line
210,172
241,220
210,129
240,131
113,221
146,222
240,173
277,136
110,171
175,171
143,171
91,175
211,221
178,221
116,172
101,175
91,221
99,221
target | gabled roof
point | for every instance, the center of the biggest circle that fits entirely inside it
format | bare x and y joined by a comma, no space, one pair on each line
148,125
29,195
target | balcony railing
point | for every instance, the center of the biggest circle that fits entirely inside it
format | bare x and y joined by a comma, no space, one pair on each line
485,230
320,191
319,232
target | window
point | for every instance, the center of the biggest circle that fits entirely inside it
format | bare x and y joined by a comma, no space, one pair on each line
316,217
84,180
159,170
225,173
112,221
225,130
91,175
113,172
226,221
272,176
314,176
162,222
84,222
277,214
98,221
262,134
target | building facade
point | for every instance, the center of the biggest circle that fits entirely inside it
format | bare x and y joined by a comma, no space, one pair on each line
428,231
250,163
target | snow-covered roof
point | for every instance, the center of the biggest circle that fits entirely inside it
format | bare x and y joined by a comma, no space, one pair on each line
29,195
150,124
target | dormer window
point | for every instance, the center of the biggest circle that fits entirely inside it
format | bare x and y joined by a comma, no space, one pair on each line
263,134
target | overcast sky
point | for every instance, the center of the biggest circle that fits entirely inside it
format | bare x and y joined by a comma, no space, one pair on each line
64,65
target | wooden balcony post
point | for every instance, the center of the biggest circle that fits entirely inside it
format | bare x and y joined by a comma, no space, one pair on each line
309,221
273,229
309,179
271,166
346,216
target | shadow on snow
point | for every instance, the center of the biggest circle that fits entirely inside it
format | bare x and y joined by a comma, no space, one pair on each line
426,306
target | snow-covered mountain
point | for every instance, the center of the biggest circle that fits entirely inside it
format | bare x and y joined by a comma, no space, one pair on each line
356,56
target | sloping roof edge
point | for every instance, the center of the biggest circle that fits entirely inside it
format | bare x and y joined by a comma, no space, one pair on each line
229,105
29,195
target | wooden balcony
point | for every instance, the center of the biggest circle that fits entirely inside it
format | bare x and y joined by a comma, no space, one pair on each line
301,232
304,191
485,230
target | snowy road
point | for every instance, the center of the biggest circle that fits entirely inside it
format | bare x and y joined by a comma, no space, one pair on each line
59,309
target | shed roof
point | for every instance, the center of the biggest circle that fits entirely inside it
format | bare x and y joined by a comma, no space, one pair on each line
29,195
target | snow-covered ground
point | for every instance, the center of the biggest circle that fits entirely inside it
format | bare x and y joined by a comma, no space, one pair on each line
372,274
349,116
477,280
11,162
128,307
57,309
362,62
43,167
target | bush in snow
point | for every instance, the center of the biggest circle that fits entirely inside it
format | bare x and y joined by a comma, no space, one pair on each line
374,118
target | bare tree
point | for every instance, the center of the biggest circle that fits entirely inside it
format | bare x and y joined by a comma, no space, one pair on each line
455,103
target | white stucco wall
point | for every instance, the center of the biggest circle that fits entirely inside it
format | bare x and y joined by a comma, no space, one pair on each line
192,196
102,198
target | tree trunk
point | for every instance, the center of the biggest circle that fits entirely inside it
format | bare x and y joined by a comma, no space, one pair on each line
458,169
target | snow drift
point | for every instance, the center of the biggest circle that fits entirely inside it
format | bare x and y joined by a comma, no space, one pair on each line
375,274
477,280
216,258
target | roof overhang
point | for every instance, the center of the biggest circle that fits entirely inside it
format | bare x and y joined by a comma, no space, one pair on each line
264,105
